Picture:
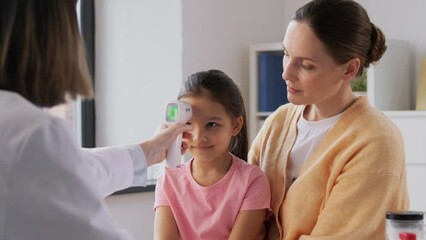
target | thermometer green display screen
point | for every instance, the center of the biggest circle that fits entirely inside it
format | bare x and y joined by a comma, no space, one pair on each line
172,113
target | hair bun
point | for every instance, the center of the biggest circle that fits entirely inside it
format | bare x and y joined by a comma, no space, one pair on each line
378,45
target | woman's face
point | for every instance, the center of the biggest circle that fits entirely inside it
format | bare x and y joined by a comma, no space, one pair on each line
212,130
311,74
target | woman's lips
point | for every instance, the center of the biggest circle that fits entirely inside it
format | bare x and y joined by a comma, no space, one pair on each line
292,90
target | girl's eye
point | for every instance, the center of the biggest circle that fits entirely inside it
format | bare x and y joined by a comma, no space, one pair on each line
212,124
188,123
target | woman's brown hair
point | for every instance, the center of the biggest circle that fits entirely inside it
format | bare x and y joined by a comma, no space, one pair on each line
345,29
42,55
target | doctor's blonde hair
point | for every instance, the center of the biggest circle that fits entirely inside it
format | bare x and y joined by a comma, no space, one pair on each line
42,55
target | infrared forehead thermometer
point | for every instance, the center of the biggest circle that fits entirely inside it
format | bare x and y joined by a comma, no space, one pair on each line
176,113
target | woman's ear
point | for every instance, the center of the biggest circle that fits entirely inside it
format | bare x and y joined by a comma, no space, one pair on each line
237,125
351,69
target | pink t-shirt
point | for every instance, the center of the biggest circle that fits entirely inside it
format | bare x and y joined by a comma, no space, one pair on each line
210,212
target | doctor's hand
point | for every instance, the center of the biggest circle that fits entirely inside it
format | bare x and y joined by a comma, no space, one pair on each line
156,147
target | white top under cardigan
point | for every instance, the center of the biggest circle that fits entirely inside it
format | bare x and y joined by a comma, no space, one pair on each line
52,189
309,135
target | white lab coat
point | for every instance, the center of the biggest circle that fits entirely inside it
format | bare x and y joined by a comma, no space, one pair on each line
50,189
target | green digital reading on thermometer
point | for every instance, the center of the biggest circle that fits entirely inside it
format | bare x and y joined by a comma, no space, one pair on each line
177,112
172,113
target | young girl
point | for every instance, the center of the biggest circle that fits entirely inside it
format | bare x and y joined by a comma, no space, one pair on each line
216,195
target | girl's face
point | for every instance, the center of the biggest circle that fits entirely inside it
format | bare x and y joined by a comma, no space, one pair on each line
311,74
212,131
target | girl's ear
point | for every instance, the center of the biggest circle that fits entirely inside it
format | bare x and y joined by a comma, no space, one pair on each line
237,125
351,69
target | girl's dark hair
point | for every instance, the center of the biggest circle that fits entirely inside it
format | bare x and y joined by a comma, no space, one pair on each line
345,29
222,89
42,56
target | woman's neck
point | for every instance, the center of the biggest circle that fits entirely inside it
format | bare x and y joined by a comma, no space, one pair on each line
316,112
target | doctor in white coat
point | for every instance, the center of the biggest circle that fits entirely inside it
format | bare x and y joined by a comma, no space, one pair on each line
50,189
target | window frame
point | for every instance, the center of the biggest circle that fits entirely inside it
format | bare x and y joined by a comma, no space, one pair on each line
87,107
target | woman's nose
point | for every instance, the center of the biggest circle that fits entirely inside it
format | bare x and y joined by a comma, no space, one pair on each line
287,71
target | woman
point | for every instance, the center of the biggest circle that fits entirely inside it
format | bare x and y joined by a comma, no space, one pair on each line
49,187
335,164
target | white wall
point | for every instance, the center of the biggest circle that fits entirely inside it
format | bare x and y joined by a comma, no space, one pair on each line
217,34
138,69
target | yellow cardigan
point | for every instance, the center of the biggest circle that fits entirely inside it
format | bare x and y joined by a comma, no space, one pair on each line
346,185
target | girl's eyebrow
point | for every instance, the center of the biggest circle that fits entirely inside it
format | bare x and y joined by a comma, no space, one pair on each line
215,119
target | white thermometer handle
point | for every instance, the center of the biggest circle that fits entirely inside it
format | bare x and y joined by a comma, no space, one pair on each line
173,155
176,113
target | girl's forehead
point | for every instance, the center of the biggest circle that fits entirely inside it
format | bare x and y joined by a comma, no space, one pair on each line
204,105
200,99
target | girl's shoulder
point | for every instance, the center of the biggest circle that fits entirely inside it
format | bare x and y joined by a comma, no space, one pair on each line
245,168
176,172
172,177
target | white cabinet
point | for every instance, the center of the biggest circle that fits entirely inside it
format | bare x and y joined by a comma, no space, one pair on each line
383,92
413,128
416,178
